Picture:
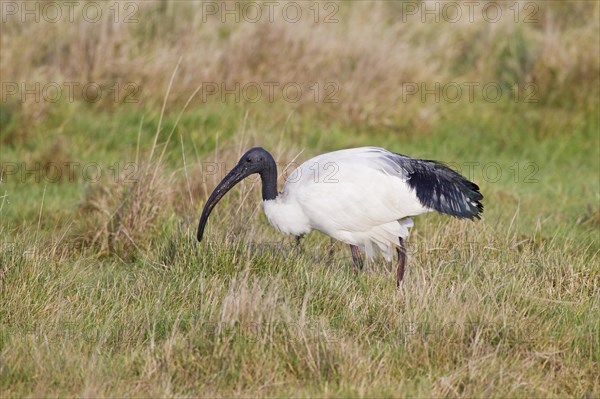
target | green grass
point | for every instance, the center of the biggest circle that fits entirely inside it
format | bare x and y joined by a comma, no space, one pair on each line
502,307
105,292
229,322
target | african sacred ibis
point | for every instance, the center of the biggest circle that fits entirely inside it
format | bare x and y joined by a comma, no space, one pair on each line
364,197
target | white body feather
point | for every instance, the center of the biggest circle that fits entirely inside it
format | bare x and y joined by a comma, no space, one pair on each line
350,195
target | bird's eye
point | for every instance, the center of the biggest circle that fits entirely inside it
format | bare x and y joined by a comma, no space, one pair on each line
248,159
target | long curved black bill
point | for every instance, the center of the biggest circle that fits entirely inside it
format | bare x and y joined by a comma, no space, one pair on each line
236,175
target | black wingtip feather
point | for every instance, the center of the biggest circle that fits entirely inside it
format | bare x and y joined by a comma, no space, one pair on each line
440,188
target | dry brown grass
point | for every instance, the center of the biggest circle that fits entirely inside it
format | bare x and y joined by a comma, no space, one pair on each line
385,52
470,321
119,218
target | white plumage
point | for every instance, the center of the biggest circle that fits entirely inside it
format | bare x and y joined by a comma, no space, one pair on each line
349,195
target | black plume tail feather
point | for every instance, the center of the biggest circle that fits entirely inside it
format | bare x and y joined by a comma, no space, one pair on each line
440,188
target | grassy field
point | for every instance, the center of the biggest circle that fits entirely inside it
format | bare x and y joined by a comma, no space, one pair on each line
105,291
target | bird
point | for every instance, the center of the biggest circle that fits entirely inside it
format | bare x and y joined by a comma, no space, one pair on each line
364,197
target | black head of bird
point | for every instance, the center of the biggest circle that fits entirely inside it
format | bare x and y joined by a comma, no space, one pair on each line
255,160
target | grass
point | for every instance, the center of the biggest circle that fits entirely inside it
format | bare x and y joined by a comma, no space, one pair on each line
105,292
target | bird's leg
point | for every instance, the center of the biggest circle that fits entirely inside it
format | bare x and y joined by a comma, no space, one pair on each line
356,258
331,250
297,246
401,262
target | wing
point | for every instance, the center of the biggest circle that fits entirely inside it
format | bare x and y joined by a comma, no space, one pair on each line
351,190
437,186
379,186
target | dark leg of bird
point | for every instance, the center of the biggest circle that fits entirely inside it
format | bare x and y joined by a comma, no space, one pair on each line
356,258
331,250
297,247
401,262
298,239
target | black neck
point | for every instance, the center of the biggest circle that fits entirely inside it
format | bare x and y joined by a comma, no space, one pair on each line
268,177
